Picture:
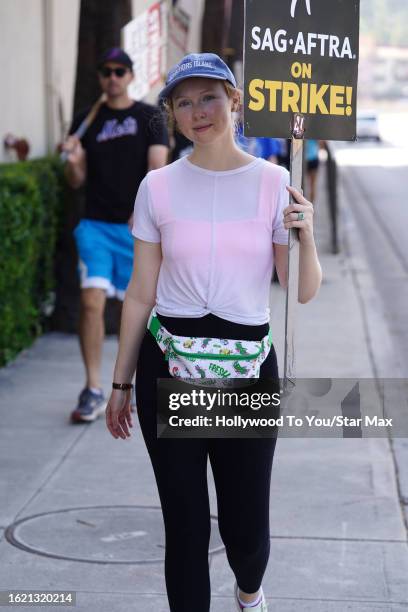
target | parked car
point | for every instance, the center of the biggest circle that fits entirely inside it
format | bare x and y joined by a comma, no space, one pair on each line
367,126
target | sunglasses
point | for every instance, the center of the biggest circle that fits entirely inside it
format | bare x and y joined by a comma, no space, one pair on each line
106,72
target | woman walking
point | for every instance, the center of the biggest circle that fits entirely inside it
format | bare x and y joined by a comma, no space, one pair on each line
208,229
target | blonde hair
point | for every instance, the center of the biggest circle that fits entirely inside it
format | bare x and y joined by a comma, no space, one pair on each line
168,107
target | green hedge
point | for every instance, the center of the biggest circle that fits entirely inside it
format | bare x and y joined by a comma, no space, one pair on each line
30,209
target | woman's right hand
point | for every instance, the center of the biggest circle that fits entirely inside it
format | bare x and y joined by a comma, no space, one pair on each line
118,414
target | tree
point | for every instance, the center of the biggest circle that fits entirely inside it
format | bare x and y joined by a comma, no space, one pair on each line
222,29
236,32
100,24
386,21
215,26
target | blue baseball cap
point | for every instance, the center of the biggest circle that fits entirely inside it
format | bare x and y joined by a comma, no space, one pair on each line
206,65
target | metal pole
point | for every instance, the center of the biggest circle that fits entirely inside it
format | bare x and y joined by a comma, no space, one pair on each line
296,171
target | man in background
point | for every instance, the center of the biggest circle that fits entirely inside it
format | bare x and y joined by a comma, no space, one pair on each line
125,140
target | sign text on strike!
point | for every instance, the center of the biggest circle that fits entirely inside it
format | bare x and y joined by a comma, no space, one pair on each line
288,96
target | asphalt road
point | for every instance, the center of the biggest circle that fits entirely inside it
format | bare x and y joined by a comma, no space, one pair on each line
375,180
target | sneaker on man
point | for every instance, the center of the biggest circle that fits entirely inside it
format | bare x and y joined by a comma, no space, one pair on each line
260,607
91,405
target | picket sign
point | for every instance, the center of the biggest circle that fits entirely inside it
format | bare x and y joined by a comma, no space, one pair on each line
300,80
145,39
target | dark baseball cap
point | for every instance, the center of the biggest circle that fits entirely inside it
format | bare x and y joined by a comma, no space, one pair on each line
117,55
206,65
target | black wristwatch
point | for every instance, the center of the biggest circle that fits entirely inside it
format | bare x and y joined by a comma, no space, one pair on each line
122,386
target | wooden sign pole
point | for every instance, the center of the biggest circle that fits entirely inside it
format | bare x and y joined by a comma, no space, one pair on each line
296,171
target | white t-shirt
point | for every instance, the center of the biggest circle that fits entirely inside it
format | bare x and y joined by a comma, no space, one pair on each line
216,230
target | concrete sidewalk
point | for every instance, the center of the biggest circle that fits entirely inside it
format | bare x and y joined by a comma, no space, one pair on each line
89,509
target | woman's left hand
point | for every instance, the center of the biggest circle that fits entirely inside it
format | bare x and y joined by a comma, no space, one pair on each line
291,212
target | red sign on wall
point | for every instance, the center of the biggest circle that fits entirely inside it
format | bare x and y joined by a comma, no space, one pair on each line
144,39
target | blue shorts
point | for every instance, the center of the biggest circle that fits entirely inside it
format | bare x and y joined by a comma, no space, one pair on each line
105,253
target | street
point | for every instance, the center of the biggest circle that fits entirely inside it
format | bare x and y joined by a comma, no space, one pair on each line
375,183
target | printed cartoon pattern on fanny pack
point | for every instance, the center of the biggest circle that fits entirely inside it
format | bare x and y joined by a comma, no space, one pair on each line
209,358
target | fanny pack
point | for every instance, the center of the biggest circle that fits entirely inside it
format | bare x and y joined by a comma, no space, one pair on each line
210,361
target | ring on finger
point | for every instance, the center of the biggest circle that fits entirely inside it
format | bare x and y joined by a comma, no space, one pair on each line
300,216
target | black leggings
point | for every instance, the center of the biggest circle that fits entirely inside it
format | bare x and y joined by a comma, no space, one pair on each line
241,469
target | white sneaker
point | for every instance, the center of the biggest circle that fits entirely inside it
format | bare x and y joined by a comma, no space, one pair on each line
261,607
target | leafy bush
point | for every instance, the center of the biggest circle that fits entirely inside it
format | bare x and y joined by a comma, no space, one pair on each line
30,205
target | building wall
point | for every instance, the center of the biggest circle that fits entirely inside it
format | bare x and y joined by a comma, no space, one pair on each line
23,86
38,39
194,8
64,35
